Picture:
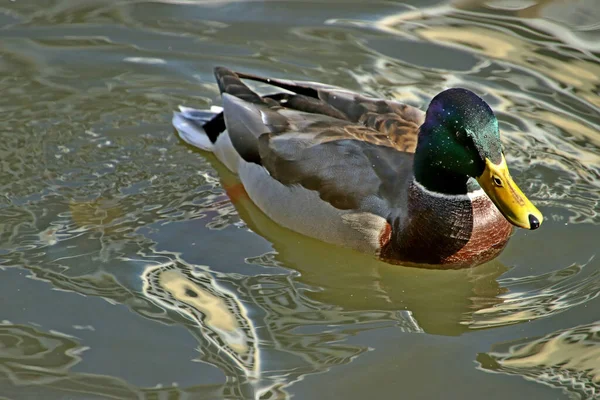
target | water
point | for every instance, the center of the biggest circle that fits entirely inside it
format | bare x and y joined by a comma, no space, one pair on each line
128,272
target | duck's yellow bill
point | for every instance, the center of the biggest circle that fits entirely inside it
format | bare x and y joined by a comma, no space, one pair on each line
506,195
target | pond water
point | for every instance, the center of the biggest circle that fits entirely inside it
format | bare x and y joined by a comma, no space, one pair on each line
132,266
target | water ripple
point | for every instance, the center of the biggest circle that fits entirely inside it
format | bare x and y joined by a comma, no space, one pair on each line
533,297
566,360
99,198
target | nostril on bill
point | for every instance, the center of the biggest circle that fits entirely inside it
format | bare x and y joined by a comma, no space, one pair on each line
534,223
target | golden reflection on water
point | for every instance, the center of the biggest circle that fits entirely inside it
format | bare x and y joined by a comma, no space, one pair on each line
96,213
495,39
214,309
568,359
582,75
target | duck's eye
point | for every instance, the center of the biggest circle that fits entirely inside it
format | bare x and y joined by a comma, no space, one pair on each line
497,181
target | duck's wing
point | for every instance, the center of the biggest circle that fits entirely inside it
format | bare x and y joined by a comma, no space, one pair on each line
346,172
399,122
317,146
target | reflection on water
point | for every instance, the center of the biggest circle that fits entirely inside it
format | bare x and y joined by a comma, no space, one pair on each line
218,316
99,198
29,356
356,281
223,320
541,296
566,359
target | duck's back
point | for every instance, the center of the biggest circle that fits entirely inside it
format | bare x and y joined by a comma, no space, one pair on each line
322,161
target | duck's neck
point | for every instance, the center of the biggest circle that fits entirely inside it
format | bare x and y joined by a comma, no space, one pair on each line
439,180
434,158
436,179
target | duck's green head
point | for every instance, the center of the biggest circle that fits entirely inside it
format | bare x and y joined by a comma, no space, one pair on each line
460,139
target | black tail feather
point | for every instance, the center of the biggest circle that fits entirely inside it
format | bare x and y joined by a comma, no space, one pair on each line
214,127
230,82
287,85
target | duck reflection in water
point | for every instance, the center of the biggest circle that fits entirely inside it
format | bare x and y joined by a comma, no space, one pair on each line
438,301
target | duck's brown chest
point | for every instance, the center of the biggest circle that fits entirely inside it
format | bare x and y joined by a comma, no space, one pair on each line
447,232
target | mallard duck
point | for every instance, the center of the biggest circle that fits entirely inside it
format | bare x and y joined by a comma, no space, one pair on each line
374,175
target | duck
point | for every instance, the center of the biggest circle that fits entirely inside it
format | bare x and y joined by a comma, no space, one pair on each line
429,189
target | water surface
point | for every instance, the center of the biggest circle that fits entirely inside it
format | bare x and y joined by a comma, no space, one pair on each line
134,267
